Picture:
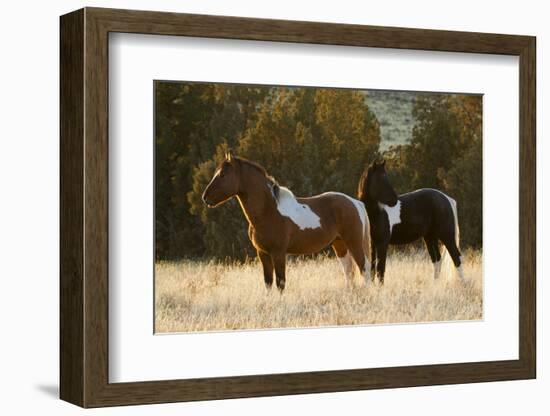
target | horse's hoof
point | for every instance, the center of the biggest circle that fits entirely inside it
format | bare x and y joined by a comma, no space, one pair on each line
463,281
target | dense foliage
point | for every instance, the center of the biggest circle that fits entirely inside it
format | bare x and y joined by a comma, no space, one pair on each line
311,140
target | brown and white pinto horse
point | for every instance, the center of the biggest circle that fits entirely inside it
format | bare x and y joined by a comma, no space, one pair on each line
281,224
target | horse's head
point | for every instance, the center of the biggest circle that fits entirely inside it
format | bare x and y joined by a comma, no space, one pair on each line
224,184
378,184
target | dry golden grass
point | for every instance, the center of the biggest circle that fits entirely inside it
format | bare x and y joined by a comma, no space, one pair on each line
208,296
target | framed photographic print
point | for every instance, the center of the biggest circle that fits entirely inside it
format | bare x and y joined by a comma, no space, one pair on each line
255,207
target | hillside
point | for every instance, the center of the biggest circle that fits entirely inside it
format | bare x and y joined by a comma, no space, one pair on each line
394,112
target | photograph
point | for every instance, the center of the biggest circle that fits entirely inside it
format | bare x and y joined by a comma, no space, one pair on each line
297,207
318,208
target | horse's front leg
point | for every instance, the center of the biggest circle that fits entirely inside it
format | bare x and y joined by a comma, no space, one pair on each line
279,262
267,265
373,259
381,253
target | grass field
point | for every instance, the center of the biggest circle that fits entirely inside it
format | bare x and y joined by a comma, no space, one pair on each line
209,296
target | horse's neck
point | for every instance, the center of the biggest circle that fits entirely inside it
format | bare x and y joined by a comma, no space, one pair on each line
256,200
373,207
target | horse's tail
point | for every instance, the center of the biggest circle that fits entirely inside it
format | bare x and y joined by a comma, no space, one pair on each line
367,245
457,230
366,238
448,266
361,194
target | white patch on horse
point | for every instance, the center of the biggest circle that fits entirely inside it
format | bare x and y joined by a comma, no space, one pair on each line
452,202
347,265
300,214
359,206
437,269
366,273
393,213
460,270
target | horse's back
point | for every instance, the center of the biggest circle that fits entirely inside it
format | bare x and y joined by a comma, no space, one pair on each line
424,193
429,206
340,207
339,215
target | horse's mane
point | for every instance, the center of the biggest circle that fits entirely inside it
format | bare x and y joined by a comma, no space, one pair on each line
261,169
362,187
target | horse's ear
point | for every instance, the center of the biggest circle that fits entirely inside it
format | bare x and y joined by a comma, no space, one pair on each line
229,156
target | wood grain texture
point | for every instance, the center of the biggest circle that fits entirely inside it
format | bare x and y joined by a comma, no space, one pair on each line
527,208
71,213
226,27
84,207
96,218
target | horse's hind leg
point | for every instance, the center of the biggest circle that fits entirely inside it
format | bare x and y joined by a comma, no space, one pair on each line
453,250
360,258
345,258
353,237
432,245
267,264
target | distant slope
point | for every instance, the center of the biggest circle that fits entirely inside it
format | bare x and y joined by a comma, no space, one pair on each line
393,109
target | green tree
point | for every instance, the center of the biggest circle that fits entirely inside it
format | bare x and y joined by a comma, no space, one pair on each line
310,140
181,117
191,120
464,180
436,140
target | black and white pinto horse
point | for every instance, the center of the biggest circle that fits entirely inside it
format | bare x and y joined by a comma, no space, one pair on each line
424,213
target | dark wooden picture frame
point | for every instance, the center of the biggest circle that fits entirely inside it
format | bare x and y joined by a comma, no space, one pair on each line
84,207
